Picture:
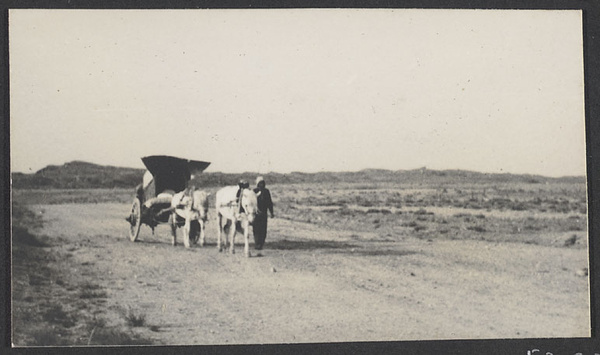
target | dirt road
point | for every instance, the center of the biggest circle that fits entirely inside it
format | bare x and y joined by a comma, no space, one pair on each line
312,284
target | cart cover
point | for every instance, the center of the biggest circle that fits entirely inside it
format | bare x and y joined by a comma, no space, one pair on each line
172,173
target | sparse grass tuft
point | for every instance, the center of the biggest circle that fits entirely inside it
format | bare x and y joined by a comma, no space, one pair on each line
345,211
379,210
422,211
419,228
519,207
461,215
56,314
479,229
91,291
135,319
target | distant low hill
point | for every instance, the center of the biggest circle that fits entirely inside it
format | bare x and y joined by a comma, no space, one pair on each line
79,175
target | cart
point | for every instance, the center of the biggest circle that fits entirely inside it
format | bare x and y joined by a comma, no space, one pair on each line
165,176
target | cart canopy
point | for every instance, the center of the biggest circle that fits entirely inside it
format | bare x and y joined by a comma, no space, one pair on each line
172,173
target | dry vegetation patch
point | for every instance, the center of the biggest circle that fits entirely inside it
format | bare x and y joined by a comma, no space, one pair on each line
532,213
53,304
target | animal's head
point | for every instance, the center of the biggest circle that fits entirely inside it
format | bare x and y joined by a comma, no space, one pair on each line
249,204
200,203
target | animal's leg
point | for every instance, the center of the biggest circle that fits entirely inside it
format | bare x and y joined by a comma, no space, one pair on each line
172,221
246,227
186,230
201,222
232,230
220,231
226,230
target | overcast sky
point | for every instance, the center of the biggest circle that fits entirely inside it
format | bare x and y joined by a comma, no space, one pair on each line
300,90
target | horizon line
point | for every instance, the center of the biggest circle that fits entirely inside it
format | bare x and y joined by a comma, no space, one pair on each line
424,168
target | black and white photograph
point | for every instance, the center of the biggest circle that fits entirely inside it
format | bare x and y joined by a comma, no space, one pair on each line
296,176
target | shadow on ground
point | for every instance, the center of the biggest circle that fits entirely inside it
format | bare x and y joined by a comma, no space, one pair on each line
324,246
330,246
373,252
285,244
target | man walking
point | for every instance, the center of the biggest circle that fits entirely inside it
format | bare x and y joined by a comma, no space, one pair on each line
260,222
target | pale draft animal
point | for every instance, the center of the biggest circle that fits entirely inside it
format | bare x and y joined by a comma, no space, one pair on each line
233,216
191,205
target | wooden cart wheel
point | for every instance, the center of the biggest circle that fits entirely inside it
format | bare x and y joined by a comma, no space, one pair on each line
135,219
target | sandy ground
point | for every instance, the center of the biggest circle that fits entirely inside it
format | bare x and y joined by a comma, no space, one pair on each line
312,284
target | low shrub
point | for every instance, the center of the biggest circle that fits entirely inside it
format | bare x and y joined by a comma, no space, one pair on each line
89,291
479,229
419,228
135,319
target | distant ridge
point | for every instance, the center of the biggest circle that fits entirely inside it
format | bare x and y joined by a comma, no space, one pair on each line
80,175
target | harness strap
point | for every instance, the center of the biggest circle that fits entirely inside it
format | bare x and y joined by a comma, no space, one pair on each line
239,209
189,193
